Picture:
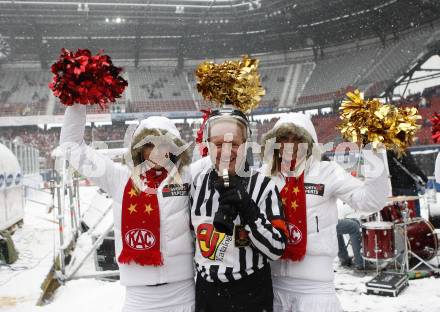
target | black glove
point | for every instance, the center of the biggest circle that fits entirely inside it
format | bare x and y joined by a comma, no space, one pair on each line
236,196
224,219
228,209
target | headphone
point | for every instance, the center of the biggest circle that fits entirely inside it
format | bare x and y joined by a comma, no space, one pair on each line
226,112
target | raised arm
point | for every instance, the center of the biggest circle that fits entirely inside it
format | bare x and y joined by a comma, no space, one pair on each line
369,195
89,162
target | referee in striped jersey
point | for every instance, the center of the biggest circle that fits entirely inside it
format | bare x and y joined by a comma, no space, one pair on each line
237,220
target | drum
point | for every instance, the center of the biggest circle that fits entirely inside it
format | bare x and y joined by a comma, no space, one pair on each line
393,212
378,241
422,238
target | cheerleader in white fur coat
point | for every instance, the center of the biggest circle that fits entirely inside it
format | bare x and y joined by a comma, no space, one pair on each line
154,245
309,187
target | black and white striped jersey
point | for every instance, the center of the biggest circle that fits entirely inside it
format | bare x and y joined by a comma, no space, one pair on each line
219,257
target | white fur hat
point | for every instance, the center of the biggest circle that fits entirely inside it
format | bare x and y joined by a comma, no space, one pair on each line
301,120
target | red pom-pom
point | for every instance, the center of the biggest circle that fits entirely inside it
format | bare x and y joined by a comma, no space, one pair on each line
203,150
435,129
86,79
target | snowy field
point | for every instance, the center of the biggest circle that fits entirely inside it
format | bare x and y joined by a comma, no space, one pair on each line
35,241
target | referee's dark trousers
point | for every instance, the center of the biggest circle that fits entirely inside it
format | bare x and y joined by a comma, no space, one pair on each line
252,293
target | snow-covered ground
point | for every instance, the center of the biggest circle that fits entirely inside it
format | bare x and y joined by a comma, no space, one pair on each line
20,283
421,295
36,240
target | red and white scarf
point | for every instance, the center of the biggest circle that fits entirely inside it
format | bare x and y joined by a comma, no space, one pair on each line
293,196
140,224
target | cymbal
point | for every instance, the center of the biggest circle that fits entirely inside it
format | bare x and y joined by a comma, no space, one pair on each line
402,198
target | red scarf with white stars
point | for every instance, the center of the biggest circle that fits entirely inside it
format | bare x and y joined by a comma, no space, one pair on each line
293,196
140,223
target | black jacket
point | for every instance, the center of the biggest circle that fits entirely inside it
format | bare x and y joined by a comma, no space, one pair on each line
399,178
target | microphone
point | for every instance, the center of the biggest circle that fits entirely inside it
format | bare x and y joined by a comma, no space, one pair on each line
225,177
224,219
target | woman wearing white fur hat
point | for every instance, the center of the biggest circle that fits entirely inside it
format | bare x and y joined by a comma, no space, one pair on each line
303,278
153,241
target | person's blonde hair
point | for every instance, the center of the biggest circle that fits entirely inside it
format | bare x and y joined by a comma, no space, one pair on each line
275,135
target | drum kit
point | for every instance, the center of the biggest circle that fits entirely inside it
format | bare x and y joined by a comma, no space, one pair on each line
397,235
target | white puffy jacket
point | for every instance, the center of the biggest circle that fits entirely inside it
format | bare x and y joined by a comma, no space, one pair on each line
325,182
175,236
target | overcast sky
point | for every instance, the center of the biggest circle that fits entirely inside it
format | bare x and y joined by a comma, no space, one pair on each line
432,63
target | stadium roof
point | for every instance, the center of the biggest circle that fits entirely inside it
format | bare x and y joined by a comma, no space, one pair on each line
38,29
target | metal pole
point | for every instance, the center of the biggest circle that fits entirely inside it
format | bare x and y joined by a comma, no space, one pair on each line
60,218
94,226
376,250
194,4
405,230
94,247
102,274
422,261
78,202
73,219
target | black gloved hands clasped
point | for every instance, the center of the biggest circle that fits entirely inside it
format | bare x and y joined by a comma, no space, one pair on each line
236,196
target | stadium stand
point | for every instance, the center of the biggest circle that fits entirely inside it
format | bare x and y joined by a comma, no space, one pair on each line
335,73
47,140
273,80
390,62
303,84
369,68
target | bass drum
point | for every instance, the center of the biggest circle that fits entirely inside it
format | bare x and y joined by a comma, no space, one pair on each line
422,239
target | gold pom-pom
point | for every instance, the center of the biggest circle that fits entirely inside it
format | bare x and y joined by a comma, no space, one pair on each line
405,127
369,121
233,82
